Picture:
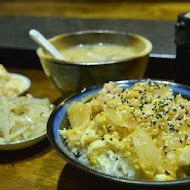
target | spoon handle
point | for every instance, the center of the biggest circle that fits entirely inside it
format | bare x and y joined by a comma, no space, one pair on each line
44,43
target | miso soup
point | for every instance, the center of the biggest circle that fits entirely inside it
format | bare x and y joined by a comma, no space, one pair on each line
97,53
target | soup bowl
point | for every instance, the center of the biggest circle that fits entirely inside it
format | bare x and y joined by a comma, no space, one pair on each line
71,76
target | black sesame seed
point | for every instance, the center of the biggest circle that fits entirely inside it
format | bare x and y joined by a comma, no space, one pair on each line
180,118
164,147
111,139
124,101
154,122
180,141
171,128
158,115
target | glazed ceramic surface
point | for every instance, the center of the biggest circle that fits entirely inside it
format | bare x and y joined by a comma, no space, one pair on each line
70,77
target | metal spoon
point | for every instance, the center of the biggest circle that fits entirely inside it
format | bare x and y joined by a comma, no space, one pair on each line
44,43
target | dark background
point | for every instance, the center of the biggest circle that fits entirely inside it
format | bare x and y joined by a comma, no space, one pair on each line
18,50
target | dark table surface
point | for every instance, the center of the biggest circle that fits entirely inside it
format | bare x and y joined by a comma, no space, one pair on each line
18,50
14,30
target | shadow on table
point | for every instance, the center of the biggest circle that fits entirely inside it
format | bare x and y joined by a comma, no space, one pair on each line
27,153
72,178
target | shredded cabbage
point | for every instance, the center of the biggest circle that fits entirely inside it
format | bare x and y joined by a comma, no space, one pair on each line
23,117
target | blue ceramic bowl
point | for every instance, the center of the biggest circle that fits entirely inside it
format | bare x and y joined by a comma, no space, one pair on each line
58,120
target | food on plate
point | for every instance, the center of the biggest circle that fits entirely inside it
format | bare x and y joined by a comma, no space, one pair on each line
97,52
142,132
9,84
23,117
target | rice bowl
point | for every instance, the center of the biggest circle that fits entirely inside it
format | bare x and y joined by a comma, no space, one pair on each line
59,119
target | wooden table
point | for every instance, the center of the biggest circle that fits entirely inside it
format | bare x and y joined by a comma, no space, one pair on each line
147,9
40,167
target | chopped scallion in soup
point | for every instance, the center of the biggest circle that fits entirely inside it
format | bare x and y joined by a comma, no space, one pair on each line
97,52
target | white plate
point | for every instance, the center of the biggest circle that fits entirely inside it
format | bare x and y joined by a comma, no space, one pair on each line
25,81
22,144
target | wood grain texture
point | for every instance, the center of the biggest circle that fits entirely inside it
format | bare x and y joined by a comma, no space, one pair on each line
40,167
79,9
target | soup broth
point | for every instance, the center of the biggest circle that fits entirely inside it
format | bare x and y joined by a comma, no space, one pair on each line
97,53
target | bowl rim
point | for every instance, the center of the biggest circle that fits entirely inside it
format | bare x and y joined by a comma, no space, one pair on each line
25,81
17,145
24,141
121,180
50,59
